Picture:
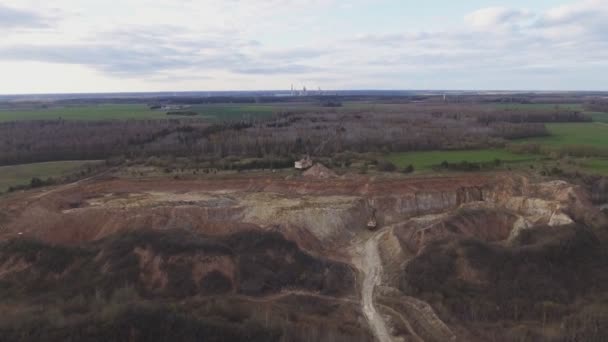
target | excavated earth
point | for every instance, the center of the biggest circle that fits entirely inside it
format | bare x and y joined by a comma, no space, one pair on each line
268,257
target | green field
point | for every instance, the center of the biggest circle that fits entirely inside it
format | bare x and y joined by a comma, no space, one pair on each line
220,112
596,165
571,134
212,112
577,138
426,160
22,174
88,112
598,116
540,106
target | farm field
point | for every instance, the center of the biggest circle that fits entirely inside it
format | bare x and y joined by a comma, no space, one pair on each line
595,165
212,112
599,116
86,112
220,112
22,174
570,134
539,106
228,112
424,161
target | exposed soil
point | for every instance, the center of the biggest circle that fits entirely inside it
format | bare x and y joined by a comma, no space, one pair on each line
265,238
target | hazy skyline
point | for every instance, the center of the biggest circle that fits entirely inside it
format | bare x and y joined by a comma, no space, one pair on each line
154,45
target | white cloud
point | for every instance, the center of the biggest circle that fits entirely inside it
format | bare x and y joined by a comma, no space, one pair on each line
498,18
15,17
242,44
581,20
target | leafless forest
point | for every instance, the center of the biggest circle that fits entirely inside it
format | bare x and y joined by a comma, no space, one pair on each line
397,128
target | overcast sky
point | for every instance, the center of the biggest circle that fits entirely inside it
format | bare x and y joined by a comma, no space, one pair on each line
51,46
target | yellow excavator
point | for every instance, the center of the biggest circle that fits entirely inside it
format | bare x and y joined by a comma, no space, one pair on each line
372,224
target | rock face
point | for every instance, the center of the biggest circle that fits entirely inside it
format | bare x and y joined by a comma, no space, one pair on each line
321,213
395,208
485,223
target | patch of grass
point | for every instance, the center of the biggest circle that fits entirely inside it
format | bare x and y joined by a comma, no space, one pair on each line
22,174
426,160
86,112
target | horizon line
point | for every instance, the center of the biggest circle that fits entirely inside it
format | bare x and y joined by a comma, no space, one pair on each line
512,91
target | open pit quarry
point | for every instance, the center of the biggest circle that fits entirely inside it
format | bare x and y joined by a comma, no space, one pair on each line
296,257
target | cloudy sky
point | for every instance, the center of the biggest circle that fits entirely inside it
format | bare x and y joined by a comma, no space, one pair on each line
171,45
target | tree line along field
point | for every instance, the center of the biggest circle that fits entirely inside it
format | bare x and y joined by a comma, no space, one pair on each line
596,116
427,160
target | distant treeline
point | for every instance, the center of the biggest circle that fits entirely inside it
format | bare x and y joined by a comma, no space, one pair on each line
597,106
560,151
519,116
399,128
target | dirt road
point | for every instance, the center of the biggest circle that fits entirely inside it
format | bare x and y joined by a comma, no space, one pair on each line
368,260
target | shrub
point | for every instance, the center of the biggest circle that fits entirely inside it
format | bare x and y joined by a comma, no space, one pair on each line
386,166
36,182
408,169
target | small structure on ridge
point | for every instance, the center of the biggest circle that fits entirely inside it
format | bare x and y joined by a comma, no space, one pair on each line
304,163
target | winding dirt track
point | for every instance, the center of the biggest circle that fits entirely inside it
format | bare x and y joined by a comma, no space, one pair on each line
368,261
